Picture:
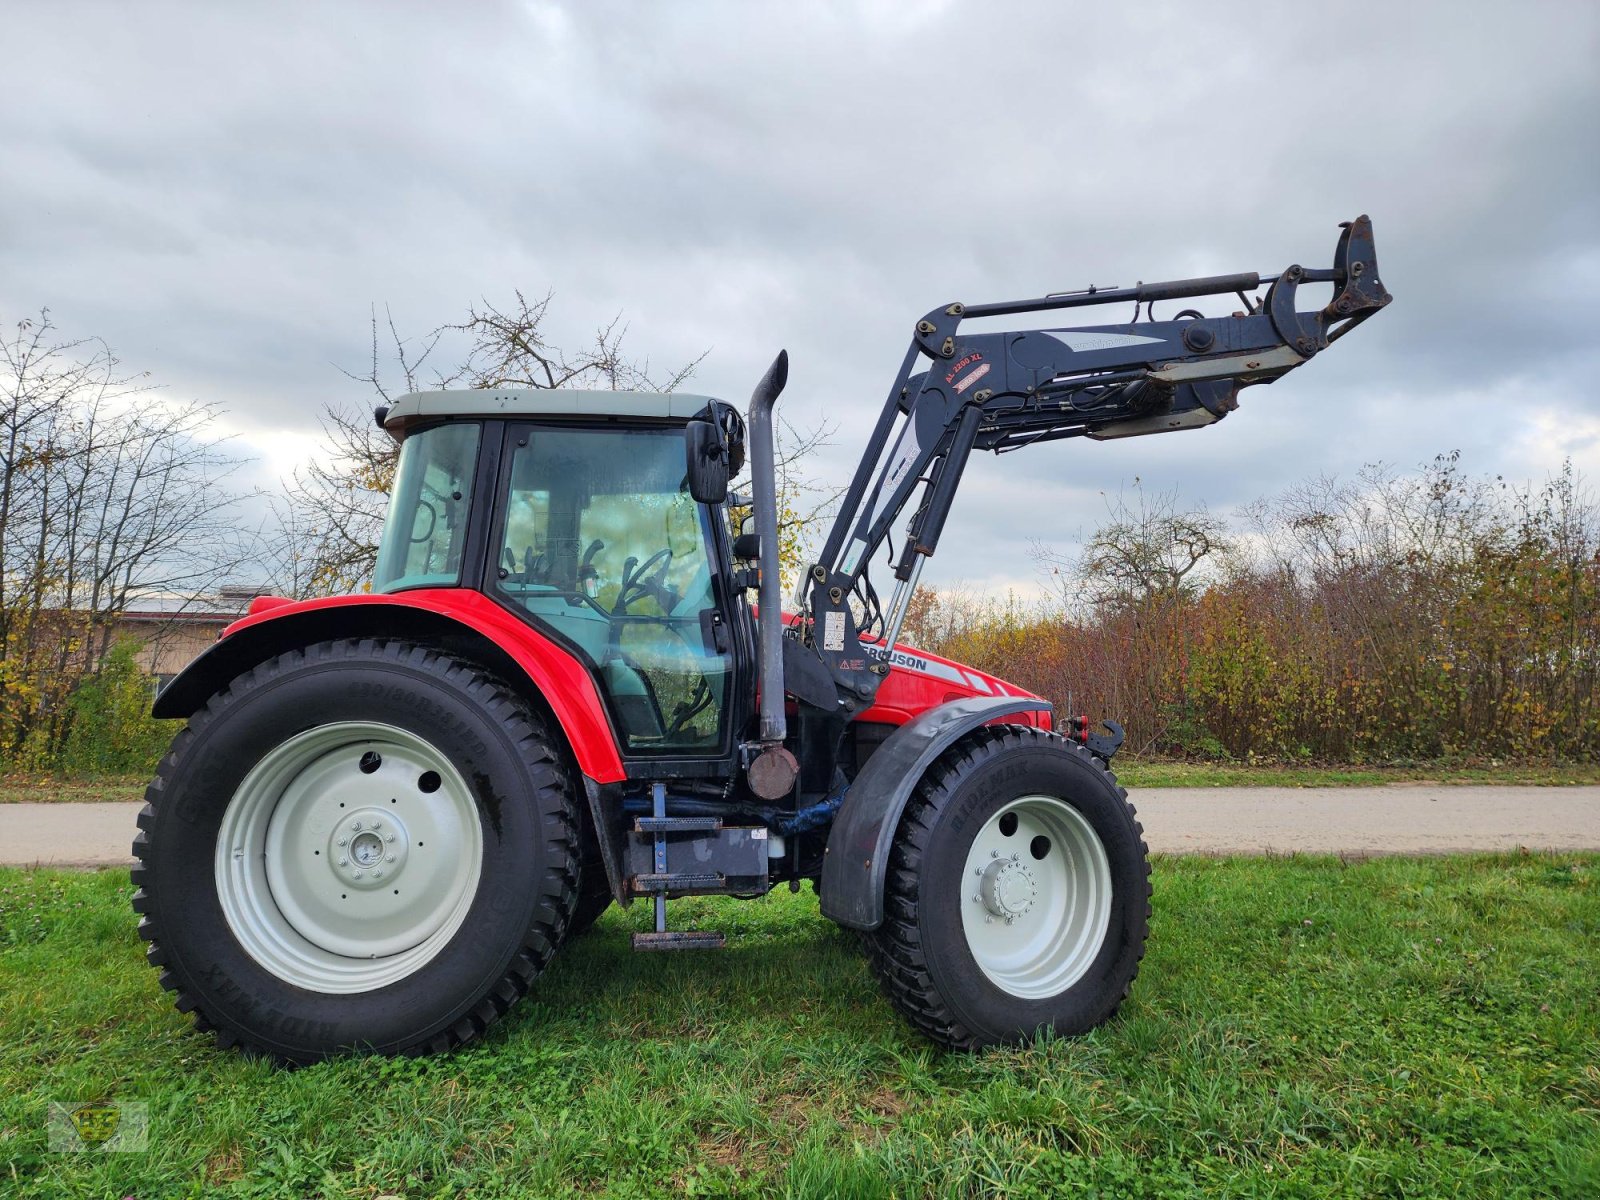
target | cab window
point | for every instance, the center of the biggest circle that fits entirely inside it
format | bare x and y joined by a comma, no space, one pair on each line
426,529
602,544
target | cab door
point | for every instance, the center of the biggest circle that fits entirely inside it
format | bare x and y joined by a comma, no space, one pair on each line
600,544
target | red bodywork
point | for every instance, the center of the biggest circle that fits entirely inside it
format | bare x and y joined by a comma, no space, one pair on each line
917,680
561,679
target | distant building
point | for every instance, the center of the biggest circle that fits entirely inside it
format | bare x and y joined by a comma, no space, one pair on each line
172,631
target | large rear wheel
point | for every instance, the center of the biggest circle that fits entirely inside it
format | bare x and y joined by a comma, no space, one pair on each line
1018,896
593,900
362,845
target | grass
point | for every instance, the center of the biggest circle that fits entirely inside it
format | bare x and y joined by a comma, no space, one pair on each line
1131,772
57,789
1303,1027
1147,773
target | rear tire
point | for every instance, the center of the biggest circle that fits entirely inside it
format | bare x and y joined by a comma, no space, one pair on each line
593,900
1018,894
359,845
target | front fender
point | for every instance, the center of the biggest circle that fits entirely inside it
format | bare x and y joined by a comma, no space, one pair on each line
457,619
857,861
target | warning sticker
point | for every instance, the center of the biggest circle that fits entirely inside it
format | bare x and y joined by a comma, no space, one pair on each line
833,631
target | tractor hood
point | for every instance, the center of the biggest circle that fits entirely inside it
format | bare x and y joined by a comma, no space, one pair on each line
919,680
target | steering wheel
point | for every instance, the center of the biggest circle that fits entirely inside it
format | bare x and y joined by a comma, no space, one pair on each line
534,569
433,522
634,581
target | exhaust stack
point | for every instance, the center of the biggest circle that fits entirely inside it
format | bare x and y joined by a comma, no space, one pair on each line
772,774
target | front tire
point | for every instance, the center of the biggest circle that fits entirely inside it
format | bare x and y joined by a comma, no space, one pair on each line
1018,894
361,845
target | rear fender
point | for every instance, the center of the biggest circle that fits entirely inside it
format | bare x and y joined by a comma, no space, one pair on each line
857,861
458,620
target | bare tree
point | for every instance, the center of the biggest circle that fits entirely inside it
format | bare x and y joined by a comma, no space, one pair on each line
1150,549
327,525
108,492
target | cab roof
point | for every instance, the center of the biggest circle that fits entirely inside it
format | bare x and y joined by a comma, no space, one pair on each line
417,407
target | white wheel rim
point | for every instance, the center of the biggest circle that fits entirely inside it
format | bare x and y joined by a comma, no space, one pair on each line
1036,897
348,857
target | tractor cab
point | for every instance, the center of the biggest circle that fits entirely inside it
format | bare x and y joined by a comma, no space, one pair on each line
574,511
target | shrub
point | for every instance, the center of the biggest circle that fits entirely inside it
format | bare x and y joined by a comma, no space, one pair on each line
110,728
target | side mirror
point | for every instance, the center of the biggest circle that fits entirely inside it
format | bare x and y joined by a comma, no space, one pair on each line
747,546
706,460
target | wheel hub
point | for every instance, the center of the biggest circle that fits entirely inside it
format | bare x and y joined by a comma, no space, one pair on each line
348,856
367,848
1008,888
1037,891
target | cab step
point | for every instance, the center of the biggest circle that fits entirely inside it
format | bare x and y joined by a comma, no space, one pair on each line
680,881
663,879
677,824
679,939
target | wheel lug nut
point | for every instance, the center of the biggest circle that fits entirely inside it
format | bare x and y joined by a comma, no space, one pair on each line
377,874
344,841
391,858
357,827
359,874
344,862
388,837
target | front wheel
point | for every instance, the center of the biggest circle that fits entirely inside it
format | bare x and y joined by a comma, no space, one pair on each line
361,845
1018,896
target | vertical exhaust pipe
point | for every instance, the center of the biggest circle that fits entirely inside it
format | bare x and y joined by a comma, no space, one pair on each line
773,772
764,481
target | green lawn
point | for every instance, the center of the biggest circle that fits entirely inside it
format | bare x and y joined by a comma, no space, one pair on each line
55,789
1302,1028
1144,773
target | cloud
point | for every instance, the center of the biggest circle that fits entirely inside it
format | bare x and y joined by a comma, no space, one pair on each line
222,193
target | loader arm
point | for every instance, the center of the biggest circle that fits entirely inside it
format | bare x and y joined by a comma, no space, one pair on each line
957,392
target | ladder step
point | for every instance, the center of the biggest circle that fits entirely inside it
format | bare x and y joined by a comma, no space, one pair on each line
679,939
677,824
680,882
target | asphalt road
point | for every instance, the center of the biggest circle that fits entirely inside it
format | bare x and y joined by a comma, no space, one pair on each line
1398,819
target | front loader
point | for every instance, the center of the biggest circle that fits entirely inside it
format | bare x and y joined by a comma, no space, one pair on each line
575,684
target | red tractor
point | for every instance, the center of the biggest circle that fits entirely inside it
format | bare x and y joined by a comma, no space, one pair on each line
387,811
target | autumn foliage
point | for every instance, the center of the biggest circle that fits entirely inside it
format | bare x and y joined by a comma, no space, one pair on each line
1397,617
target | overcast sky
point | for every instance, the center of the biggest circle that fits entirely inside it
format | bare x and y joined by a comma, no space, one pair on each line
223,191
